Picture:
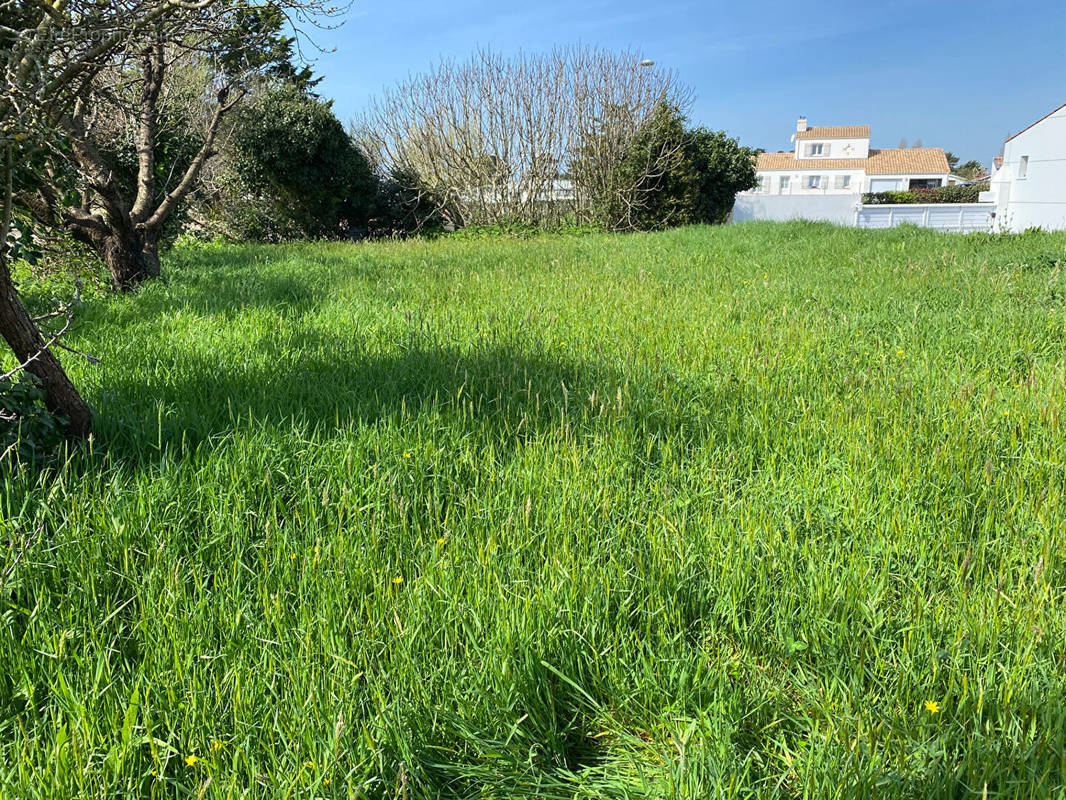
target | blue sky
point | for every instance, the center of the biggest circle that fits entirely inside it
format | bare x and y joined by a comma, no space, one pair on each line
958,75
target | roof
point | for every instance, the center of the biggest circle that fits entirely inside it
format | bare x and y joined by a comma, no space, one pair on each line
1050,113
836,132
881,162
789,161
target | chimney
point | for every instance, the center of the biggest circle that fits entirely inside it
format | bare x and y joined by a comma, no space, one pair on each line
801,125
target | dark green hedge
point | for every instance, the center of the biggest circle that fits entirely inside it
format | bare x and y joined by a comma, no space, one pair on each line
943,194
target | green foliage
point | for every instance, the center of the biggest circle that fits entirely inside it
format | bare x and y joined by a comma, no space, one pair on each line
403,207
942,194
673,176
28,431
300,169
722,168
255,40
663,178
706,513
971,169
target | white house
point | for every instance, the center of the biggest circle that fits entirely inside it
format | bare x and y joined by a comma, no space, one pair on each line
839,160
1029,183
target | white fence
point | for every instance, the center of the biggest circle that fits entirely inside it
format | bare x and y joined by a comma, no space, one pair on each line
957,217
844,209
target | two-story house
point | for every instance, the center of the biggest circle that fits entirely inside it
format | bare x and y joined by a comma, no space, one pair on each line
839,160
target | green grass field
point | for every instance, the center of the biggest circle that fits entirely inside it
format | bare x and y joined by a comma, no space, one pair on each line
717,512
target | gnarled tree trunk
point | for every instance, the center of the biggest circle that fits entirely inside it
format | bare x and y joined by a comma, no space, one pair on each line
131,257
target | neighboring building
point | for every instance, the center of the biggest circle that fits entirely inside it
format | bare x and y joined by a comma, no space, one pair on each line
839,160
1028,184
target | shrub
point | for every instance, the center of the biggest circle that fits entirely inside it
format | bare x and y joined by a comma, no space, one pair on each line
722,169
942,194
28,430
300,172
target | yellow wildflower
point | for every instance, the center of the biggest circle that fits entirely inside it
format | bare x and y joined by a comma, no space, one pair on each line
932,706
440,540
190,760
325,781
216,745
899,352
406,455
397,580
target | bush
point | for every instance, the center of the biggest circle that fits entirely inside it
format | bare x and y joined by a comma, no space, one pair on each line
28,431
722,169
942,194
298,173
674,175
403,207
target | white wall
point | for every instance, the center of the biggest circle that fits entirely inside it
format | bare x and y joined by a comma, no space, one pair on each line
837,208
838,148
797,184
1039,199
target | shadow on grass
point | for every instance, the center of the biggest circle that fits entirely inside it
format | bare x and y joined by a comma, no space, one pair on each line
316,385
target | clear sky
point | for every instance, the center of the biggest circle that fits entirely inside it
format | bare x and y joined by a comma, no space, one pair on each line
957,74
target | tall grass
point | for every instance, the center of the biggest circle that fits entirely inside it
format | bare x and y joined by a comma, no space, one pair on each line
706,513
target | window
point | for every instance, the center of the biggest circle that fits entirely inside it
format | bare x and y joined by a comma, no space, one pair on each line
782,186
760,183
814,181
923,183
842,182
1023,167
816,149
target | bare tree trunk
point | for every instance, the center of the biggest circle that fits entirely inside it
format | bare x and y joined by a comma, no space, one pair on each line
25,340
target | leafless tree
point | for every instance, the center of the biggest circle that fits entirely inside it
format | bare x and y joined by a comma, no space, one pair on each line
496,139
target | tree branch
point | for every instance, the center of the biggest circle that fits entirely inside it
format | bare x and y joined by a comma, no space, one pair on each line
183,188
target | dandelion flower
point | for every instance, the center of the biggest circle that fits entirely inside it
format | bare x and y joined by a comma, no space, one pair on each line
309,764
292,556
440,540
397,580
216,745
190,760
932,706
899,352
325,781
406,455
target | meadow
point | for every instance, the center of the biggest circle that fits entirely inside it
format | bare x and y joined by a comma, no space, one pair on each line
772,510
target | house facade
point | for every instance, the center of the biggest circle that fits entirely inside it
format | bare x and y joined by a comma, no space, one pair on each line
1028,185
839,160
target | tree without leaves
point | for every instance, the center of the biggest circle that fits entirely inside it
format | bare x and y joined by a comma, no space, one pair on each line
496,140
